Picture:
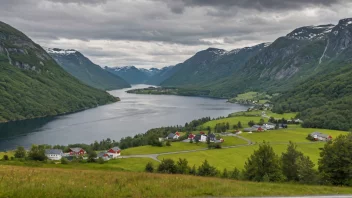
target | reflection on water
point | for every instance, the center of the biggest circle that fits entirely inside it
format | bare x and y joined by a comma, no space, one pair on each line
134,114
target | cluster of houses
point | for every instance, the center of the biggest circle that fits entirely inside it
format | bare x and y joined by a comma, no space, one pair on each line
202,137
58,154
264,127
317,136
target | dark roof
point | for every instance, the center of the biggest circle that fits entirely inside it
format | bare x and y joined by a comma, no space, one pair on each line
115,148
212,135
197,137
76,150
101,154
171,135
53,151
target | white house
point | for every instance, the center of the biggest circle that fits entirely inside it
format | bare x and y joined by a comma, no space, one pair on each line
54,154
104,155
114,152
173,136
269,126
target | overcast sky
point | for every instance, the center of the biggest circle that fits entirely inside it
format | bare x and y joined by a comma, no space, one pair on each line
157,33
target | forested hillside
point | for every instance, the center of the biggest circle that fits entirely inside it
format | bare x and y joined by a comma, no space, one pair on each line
324,101
33,85
86,71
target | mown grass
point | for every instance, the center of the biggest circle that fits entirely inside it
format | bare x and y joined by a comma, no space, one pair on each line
41,182
179,146
124,164
236,157
232,121
8,153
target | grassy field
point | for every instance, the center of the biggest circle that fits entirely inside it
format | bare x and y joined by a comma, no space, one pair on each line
178,146
41,182
236,157
126,164
232,121
8,153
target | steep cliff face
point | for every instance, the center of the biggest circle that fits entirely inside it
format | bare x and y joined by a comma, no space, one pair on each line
86,71
33,85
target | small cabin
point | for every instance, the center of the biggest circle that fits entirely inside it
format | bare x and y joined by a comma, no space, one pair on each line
77,151
114,152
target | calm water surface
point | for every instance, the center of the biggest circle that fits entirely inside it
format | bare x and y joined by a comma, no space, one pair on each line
134,114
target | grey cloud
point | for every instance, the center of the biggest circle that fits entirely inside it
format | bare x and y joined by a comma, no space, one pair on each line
254,4
80,1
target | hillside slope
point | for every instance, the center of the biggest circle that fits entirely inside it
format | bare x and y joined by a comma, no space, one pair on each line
33,85
55,182
163,74
209,65
85,70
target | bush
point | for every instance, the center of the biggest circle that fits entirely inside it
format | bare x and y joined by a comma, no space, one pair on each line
37,153
214,146
6,157
168,143
100,160
149,167
20,152
206,170
92,157
64,160
167,166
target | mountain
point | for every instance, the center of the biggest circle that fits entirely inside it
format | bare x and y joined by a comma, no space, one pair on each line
33,85
288,61
132,74
325,100
209,65
85,70
161,75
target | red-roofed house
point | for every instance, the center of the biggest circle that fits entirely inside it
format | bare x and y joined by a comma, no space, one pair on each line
191,136
77,151
114,152
202,133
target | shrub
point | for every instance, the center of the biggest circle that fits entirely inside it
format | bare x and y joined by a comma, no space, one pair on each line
64,160
6,157
149,167
167,166
100,160
206,170
20,152
168,143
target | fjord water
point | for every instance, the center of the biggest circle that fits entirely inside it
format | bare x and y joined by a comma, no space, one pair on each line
134,114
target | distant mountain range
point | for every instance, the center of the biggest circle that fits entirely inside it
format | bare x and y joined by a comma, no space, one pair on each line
134,75
85,70
33,85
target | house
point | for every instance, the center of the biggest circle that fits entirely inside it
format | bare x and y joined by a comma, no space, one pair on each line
202,133
298,121
114,152
260,129
317,136
77,151
191,136
212,137
172,136
249,129
256,126
200,138
104,155
54,154
161,139
268,126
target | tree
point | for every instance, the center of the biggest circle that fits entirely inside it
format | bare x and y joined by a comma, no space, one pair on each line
251,123
235,174
167,166
227,126
168,143
37,153
5,157
20,152
335,164
182,166
92,156
261,121
263,162
305,170
193,170
191,141
206,170
149,167
289,162
239,125
225,174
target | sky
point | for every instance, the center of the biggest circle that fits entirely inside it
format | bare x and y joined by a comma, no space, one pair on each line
158,33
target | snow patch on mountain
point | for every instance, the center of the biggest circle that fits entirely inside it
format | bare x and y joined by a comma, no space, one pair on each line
60,51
